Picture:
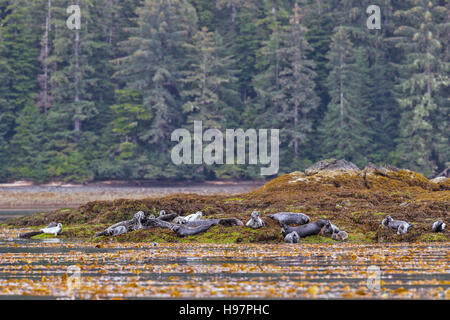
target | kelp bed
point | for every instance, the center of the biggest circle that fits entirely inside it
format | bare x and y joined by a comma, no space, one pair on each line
126,270
354,200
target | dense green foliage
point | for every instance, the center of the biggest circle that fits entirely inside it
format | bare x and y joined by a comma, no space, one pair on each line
101,102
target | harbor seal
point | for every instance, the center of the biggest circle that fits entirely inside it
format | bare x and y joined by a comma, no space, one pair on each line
255,222
130,225
194,217
340,236
329,229
287,218
305,230
292,237
400,226
53,230
438,226
119,230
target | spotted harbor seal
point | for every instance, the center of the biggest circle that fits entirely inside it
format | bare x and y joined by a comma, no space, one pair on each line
400,226
305,230
438,226
329,229
340,236
287,218
118,230
255,222
292,237
162,213
130,225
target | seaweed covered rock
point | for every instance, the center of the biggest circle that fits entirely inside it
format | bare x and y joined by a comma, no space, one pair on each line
331,165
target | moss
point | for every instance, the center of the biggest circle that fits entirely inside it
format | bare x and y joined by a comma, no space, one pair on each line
44,236
433,237
316,239
233,199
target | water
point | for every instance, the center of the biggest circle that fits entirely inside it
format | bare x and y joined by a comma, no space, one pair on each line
6,214
47,269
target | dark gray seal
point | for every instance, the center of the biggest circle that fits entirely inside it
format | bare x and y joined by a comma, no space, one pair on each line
305,230
292,237
329,229
287,218
438,226
400,226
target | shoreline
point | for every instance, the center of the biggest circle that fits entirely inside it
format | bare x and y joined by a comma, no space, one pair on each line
354,200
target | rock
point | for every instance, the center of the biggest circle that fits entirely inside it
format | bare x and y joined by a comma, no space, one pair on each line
292,237
438,179
400,226
445,173
331,165
380,170
438,226
255,222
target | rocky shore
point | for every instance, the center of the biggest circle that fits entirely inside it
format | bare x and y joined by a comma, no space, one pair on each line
354,199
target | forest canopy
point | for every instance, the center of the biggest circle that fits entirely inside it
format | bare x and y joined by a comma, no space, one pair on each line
100,102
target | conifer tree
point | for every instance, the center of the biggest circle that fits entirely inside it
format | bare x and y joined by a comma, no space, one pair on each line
344,131
155,61
209,72
424,76
296,99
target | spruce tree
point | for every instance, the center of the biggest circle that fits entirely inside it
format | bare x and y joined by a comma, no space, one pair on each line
155,62
424,77
209,72
343,129
296,99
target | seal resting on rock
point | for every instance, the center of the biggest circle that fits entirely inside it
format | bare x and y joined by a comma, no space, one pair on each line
292,237
255,222
438,226
305,230
31,234
118,230
53,230
194,217
340,236
400,226
287,218
130,225
329,229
